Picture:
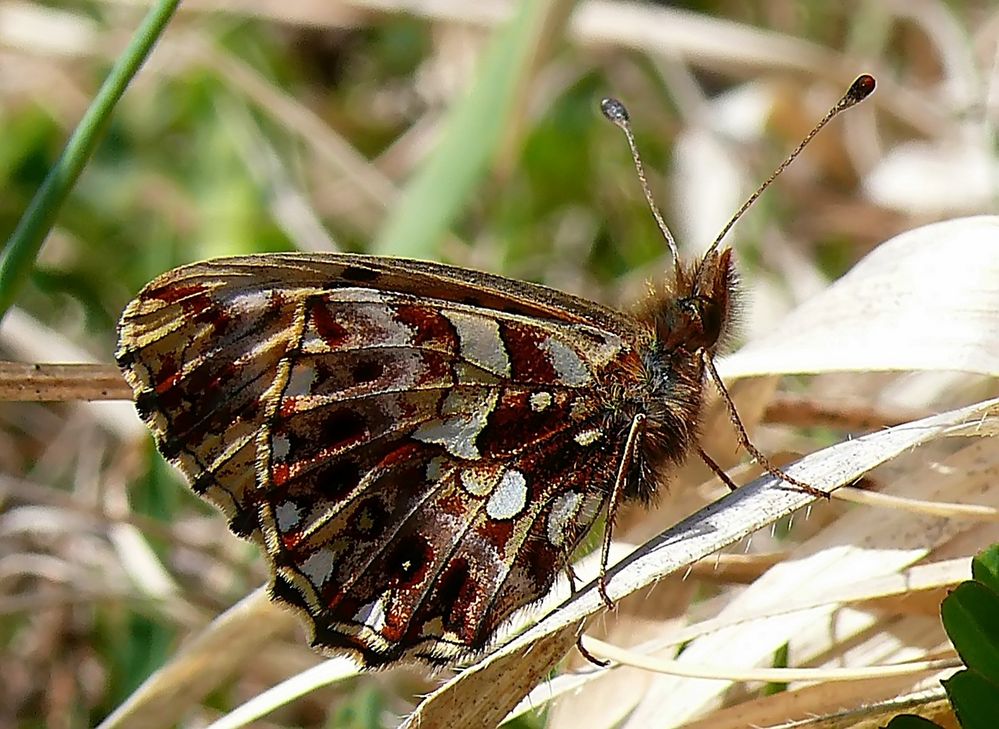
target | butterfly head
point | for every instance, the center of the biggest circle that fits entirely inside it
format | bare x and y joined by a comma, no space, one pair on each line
695,314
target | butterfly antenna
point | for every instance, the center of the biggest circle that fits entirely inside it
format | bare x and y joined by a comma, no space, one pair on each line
616,112
860,89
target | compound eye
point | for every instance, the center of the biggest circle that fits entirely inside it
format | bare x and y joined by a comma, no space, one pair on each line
694,324
710,317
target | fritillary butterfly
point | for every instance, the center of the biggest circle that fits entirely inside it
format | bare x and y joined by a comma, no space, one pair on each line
418,448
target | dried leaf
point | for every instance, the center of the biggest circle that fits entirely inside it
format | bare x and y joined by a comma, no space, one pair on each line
925,300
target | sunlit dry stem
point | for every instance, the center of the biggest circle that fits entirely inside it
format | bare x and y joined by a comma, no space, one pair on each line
616,112
622,475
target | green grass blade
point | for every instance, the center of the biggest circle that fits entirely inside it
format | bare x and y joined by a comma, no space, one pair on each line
22,247
472,134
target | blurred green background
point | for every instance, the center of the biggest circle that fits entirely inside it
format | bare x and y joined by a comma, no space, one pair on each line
462,132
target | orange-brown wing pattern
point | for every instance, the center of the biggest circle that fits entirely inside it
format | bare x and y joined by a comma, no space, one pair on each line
418,448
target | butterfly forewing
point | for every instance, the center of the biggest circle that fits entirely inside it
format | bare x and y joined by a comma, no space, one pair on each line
417,447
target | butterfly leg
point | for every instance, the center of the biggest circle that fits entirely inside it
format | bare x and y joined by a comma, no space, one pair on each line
719,471
744,441
571,575
585,653
573,578
622,473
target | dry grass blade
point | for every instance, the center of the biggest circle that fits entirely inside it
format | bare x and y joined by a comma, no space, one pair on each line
325,674
608,652
940,508
205,663
860,544
771,710
907,584
723,522
488,696
24,382
924,300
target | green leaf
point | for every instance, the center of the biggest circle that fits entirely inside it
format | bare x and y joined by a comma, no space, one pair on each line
780,661
911,721
985,568
971,617
975,700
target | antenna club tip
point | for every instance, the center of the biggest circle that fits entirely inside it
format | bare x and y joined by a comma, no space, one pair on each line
862,87
614,110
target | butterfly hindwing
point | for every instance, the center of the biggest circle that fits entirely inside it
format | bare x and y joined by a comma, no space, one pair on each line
436,553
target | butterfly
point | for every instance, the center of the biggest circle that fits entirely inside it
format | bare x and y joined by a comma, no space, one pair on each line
418,448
